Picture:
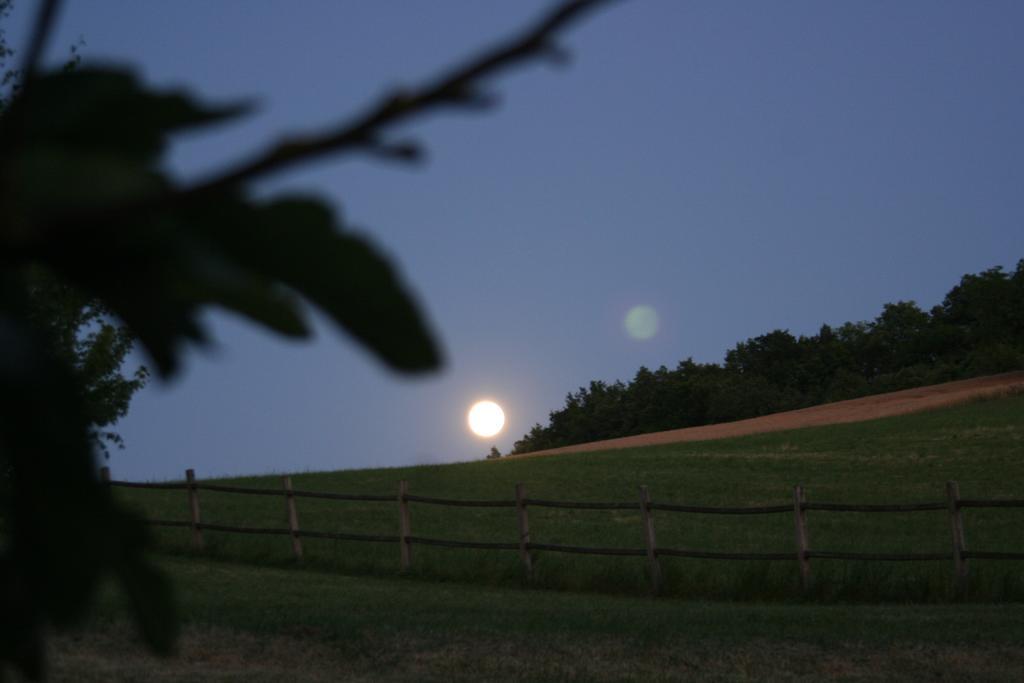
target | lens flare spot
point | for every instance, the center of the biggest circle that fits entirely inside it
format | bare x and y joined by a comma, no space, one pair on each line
641,322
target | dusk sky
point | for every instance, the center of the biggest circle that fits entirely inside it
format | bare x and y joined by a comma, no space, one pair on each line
736,166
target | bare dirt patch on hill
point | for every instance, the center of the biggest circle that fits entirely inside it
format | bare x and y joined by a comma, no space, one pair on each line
853,410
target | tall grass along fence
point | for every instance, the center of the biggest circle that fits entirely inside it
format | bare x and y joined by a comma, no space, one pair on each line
801,554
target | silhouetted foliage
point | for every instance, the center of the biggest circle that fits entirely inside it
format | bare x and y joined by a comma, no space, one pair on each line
84,200
494,453
87,339
977,330
86,336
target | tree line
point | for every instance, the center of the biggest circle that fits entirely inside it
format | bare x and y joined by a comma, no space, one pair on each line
978,329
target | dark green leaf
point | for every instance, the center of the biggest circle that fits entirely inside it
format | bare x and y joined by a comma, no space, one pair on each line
107,111
297,242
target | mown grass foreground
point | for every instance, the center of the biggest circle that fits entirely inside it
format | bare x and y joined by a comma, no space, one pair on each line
263,624
901,459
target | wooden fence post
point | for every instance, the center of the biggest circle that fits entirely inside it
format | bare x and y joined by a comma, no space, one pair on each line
193,506
293,518
956,523
524,530
800,519
105,475
649,540
404,525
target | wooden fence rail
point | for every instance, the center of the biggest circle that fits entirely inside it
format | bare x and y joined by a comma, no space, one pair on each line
802,554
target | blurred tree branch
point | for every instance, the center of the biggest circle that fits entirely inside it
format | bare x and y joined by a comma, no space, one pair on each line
41,32
458,88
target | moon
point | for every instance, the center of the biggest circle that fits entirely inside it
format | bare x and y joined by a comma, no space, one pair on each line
486,418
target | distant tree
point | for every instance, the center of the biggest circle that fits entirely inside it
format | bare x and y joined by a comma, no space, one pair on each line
985,312
900,337
85,198
494,453
775,357
986,308
7,74
538,438
89,340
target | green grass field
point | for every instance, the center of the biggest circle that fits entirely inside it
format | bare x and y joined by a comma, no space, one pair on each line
247,623
903,459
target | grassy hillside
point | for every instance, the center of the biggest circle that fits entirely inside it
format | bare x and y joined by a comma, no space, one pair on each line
903,459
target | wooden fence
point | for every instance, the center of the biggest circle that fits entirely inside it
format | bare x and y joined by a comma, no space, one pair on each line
801,555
